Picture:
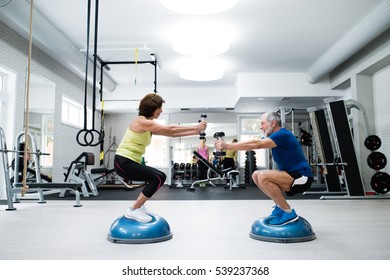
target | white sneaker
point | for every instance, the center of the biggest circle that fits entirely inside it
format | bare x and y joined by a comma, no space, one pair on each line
138,215
145,210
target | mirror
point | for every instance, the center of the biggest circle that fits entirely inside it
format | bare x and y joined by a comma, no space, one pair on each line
183,147
41,117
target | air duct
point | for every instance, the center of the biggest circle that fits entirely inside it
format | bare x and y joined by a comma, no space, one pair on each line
49,39
371,26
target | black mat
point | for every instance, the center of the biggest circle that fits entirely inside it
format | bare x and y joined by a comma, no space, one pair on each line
167,193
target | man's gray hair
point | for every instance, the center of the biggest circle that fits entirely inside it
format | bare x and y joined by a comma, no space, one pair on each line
270,116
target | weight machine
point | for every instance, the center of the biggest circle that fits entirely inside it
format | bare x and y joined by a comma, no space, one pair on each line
90,180
37,186
336,149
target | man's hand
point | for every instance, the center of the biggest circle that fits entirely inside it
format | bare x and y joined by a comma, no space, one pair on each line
220,145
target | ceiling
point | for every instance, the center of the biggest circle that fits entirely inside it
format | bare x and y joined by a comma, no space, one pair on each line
267,36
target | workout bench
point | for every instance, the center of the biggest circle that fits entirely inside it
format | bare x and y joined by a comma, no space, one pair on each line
230,175
48,187
77,172
107,175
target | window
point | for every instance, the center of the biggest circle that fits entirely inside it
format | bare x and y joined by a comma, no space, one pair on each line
249,130
47,139
73,114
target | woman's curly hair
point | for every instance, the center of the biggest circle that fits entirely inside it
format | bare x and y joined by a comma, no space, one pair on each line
150,103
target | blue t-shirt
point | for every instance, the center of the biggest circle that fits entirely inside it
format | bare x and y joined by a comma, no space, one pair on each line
288,153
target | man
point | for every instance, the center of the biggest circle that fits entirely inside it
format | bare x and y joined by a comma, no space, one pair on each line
294,174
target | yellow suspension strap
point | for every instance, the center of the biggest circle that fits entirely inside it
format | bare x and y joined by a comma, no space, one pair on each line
102,133
25,156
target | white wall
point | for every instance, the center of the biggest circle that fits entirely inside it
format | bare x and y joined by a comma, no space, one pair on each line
193,97
280,84
42,98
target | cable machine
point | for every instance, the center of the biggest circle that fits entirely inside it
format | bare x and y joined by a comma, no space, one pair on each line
337,149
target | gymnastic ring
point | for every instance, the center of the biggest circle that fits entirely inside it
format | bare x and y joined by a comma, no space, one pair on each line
78,136
97,137
88,137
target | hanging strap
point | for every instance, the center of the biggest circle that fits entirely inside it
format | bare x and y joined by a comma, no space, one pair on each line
90,137
87,64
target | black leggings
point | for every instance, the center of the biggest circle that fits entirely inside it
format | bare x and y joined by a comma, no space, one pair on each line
228,163
202,168
132,170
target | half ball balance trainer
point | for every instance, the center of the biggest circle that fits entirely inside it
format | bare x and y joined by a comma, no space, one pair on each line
125,230
297,231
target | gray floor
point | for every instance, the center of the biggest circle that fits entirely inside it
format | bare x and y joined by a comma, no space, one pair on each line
214,230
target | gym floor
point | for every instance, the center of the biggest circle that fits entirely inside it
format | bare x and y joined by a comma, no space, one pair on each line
354,229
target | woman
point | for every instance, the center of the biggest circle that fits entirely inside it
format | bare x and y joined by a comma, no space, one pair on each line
230,158
203,150
137,137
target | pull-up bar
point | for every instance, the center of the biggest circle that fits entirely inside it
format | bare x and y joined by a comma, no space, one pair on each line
104,65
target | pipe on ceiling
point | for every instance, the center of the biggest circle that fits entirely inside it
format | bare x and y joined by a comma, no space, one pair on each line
371,26
48,38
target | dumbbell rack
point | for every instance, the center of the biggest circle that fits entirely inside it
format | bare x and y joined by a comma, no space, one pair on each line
183,174
250,166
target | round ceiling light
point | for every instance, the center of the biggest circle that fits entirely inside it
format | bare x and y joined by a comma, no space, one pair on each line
201,69
201,39
198,7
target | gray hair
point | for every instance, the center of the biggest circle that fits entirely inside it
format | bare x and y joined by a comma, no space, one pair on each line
270,116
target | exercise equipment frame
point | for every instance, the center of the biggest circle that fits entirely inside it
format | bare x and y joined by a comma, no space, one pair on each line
39,187
226,174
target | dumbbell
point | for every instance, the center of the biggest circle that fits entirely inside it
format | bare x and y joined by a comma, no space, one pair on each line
219,136
202,134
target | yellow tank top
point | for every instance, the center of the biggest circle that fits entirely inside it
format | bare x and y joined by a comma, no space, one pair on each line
231,154
133,145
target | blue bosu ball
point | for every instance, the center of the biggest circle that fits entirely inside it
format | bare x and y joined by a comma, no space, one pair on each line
124,230
298,231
